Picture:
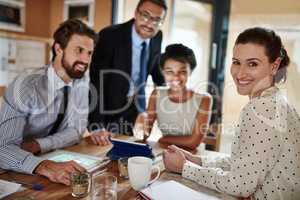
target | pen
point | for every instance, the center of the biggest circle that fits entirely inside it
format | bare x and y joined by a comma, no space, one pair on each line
34,186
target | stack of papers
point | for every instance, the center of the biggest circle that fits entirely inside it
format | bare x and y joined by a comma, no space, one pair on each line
7,188
173,190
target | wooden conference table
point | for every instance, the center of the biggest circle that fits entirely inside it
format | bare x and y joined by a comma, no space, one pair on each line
54,191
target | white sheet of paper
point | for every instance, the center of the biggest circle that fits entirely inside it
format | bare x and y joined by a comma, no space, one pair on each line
175,191
7,188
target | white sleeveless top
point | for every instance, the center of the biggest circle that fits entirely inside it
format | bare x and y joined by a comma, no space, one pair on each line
176,119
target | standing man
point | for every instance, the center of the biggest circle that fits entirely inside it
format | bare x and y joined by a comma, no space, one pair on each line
47,109
124,57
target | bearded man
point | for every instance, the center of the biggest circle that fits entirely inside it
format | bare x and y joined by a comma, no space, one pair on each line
47,109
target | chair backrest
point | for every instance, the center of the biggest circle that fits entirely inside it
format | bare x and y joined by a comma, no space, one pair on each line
2,89
213,137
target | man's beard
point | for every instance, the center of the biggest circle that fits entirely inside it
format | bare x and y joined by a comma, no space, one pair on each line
70,70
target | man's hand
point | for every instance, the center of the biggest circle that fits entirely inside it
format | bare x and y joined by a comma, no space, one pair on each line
58,172
31,146
101,138
174,160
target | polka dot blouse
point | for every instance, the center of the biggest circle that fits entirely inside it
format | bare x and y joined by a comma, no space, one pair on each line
265,157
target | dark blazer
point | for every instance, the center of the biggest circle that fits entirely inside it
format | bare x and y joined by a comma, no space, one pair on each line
114,52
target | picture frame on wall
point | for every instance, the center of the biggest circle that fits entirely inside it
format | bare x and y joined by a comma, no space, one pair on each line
12,15
80,9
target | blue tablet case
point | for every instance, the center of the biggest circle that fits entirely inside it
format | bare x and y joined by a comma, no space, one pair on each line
128,149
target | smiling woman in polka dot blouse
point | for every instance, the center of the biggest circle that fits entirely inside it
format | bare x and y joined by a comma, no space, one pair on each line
265,158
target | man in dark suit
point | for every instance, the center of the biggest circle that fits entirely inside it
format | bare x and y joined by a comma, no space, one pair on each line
124,57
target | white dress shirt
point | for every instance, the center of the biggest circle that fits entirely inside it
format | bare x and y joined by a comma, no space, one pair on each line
30,108
136,49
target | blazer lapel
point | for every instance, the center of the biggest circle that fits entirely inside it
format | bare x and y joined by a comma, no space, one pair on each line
127,47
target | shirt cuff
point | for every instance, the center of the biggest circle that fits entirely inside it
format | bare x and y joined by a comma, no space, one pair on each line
188,169
97,130
45,144
202,175
112,135
31,162
205,161
95,127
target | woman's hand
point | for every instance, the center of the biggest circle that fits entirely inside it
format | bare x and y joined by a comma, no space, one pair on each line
174,160
188,156
175,148
140,130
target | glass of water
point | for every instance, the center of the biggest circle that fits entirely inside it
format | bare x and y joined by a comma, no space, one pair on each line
80,184
104,187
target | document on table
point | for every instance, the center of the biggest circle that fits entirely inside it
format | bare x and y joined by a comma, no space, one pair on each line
175,191
7,188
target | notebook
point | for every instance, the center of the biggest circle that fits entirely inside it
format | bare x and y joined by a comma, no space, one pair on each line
175,191
90,163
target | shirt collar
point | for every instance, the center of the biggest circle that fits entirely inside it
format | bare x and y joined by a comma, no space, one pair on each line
55,82
269,91
136,38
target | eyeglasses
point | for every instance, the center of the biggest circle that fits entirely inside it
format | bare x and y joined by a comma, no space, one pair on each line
146,17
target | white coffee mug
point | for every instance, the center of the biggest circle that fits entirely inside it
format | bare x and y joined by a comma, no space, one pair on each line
139,171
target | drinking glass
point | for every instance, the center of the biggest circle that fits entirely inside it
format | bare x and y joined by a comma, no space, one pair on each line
104,187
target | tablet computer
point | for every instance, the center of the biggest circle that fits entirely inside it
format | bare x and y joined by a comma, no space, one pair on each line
123,148
90,163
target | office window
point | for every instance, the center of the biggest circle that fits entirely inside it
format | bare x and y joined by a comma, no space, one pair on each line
12,15
80,9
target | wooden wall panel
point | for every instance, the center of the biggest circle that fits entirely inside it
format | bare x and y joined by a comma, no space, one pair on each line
56,14
37,18
103,14
44,16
